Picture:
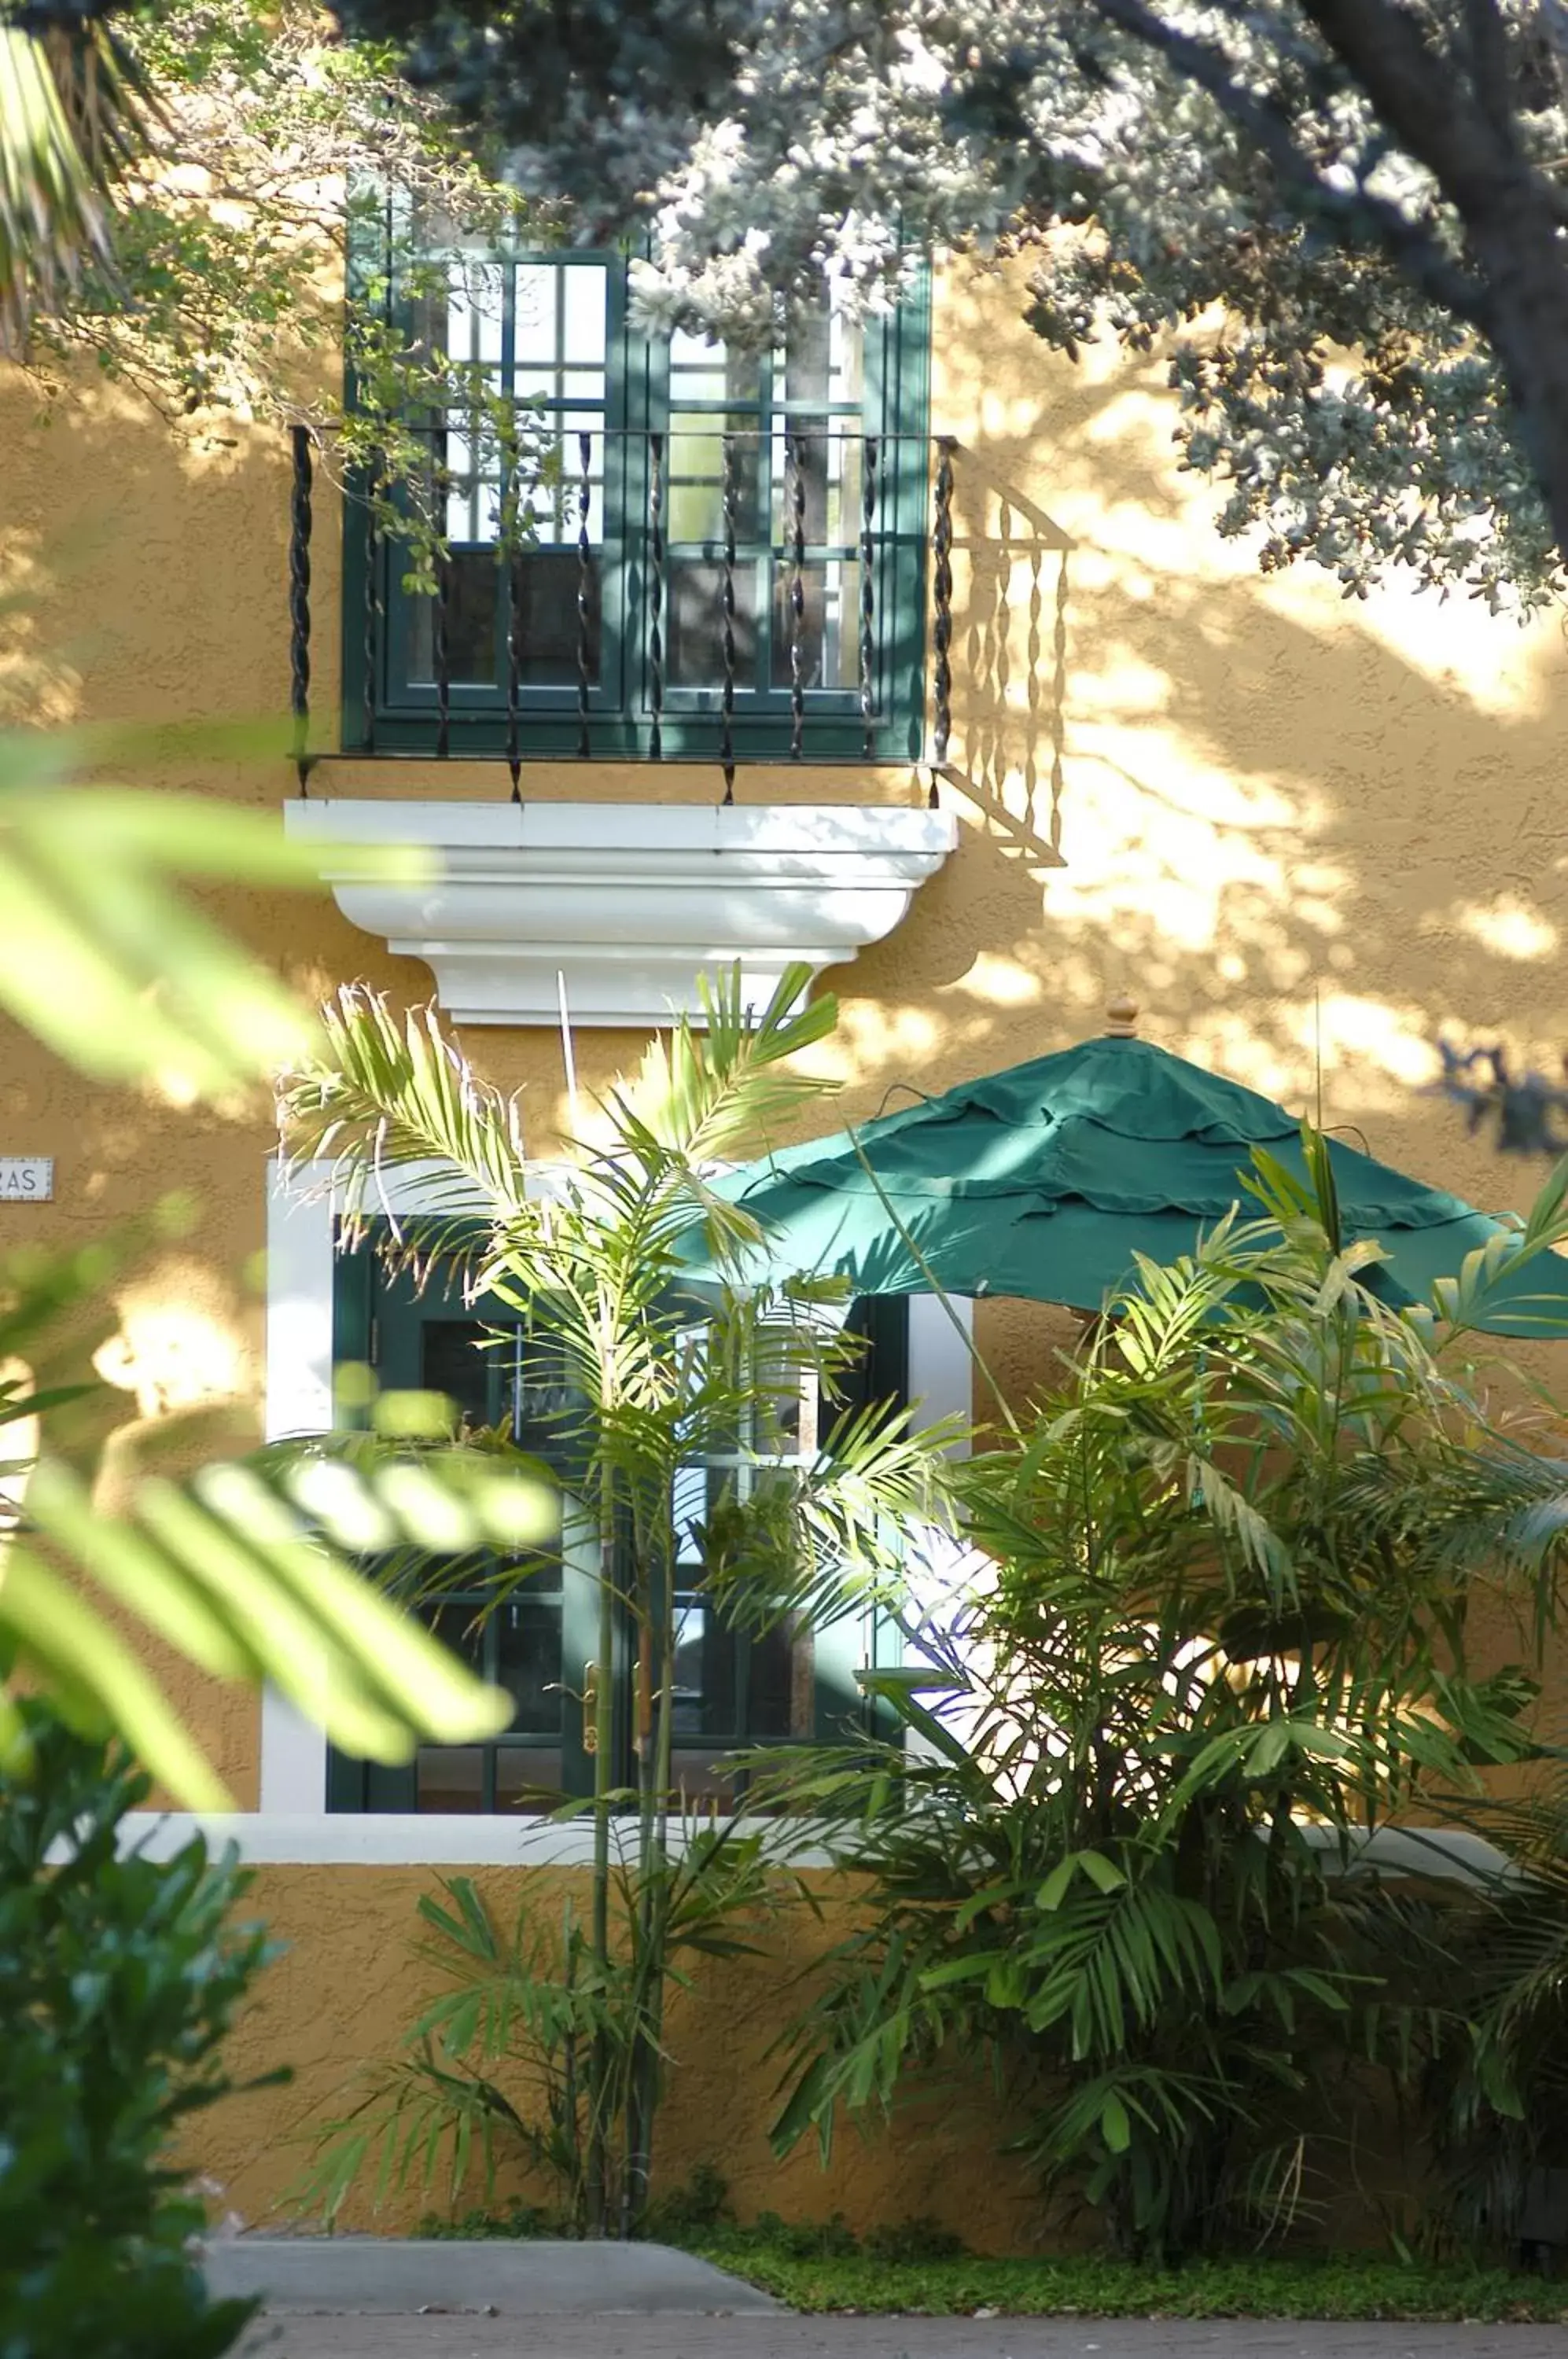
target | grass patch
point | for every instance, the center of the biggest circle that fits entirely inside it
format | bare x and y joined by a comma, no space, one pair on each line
919,2270
1093,2287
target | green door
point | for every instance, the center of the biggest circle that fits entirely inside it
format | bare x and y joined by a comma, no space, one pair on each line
538,1641
732,1690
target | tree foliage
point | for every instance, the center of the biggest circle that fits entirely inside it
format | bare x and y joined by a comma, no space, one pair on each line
75,116
1340,218
194,253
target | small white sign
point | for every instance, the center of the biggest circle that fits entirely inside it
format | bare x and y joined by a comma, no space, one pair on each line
26,1178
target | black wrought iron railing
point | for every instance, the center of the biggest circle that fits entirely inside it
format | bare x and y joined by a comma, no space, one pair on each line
692,593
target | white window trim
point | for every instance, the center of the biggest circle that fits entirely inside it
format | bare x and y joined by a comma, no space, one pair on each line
300,1216
298,1400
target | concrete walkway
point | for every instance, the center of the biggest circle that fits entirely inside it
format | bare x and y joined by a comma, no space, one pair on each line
781,2336
540,2277
381,2297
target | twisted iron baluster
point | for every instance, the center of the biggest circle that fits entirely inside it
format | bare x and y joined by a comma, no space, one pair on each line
442,620
300,604
515,638
584,551
511,518
942,588
727,615
655,595
373,605
868,598
795,491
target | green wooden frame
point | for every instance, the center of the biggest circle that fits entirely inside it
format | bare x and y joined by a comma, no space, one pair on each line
896,411
377,1321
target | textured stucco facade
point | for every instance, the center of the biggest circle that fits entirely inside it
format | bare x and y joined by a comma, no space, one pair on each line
348,1985
1307,835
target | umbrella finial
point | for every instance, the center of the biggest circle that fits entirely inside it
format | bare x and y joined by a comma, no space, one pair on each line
1121,1018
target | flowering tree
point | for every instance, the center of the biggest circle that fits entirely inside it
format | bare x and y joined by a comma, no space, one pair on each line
1372,190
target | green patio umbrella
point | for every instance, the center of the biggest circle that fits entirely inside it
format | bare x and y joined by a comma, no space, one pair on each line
1046,1179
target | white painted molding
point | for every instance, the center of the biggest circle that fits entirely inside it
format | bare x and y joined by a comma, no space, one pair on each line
627,901
300,1211
299,1401
400,1840
404,1839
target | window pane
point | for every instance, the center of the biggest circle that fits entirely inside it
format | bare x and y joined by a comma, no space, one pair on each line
559,338
475,311
453,1361
695,587
450,1779
780,1692
827,629
547,1413
583,315
551,503
696,479
698,1784
470,625
535,334
547,583
703,1683
701,370
527,1779
824,357
527,1661
829,465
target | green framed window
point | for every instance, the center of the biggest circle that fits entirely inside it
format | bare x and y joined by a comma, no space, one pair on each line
733,1691
724,550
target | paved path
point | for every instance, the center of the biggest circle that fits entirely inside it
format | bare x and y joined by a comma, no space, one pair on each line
780,2336
533,2277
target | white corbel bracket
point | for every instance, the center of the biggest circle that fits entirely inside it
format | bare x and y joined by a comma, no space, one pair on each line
627,901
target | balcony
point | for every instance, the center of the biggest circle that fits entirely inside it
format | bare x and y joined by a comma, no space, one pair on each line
724,598
617,634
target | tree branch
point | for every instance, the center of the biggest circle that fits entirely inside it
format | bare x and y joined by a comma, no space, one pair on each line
1487,41
1419,96
1267,125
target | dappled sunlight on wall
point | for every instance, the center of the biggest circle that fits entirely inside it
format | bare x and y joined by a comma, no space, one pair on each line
178,1347
1312,837
161,561
1510,929
40,685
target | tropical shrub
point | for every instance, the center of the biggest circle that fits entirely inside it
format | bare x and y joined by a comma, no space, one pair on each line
1215,1641
120,1976
527,2058
654,1379
1494,2047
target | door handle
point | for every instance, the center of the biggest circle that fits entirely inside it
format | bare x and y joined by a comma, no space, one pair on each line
590,1709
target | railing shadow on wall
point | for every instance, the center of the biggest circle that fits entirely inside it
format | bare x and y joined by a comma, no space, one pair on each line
1010,601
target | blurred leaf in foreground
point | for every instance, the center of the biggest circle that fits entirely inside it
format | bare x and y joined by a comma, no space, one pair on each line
103,957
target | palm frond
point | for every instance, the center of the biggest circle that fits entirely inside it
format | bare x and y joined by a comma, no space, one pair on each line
386,1094
250,1573
76,113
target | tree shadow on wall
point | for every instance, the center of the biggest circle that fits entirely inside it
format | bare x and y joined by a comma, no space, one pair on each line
1182,780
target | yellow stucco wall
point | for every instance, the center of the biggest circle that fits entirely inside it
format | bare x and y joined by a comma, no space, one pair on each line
1307,835
349,1984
